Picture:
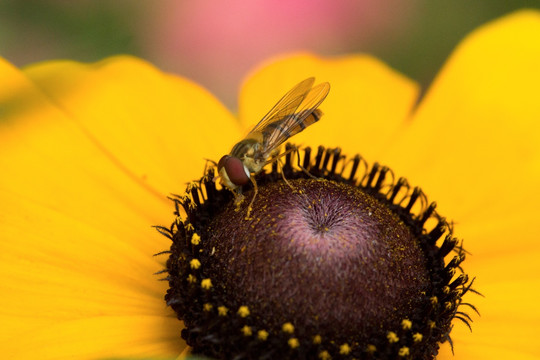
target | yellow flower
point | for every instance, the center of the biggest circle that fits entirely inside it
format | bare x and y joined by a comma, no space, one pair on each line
88,154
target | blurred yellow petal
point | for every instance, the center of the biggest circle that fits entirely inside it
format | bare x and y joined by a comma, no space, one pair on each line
77,244
473,143
49,159
69,289
366,108
474,147
482,352
153,124
509,321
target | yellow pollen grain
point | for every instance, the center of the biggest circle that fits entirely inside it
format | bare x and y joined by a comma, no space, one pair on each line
317,339
371,349
433,300
417,337
293,343
448,305
262,335
404,351
189,227
406,324
431,324
344,349
288,328
206,284
207,307
195,264
195,239
191,279
243,311
324,355
246,330
392,337
222,310
446,289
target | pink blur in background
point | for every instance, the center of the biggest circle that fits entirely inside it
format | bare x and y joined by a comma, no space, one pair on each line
217,42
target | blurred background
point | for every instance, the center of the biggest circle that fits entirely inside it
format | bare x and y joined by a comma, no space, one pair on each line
215,43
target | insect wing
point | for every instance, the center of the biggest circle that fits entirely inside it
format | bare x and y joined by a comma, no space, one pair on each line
286,106
287,124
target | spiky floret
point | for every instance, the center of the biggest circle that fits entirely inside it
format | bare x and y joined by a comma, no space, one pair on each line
222,324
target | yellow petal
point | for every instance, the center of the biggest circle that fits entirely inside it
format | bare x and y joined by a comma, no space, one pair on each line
367,105
474,147
159,127
509,307
102,337
50,159
474,144
69,289
76,253
508,327
482,352
474,141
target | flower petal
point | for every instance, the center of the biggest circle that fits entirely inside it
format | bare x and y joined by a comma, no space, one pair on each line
474,147
482,352
76,249
65,283
366,108
51,160
159,127
505,330
474,141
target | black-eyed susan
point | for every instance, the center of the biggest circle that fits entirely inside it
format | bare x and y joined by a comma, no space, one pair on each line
89,154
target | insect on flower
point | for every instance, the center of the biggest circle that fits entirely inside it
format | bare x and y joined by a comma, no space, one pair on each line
293,113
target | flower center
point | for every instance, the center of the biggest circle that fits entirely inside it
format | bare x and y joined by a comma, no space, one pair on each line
341,262
330,259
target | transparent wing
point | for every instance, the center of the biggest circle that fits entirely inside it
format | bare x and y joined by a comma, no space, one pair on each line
286,106
286,123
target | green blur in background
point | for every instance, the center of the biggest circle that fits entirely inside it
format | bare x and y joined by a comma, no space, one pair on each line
414,37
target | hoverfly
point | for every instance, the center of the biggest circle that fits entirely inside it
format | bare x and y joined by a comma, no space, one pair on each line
293,113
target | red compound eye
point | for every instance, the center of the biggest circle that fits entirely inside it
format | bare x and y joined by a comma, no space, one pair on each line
235,170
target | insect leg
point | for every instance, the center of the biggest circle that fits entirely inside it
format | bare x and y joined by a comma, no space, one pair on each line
283,173
306,171
277,157
255,191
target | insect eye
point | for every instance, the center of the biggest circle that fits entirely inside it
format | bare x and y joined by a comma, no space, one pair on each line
221,162
235,169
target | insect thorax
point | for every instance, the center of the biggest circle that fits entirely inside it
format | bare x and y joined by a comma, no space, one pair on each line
249,152
245,148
